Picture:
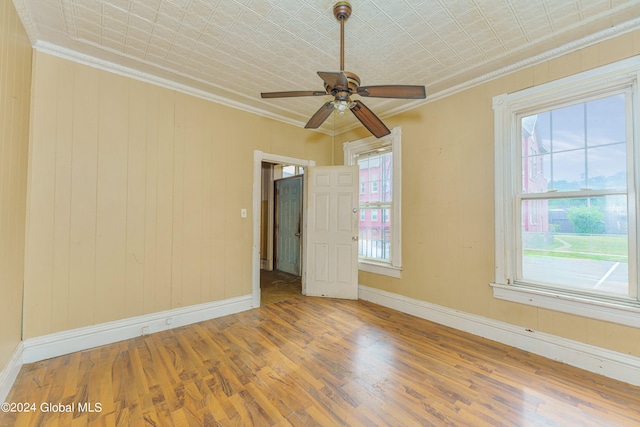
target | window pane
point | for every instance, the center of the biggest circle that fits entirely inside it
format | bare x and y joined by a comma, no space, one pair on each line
576,243
543,131
607,167
536,167
568,169
576,147
375,177
606,120
375,235
567,128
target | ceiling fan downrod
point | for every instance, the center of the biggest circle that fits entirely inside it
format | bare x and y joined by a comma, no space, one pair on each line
342,12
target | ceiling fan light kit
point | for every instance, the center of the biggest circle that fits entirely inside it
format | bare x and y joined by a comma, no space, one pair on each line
343,84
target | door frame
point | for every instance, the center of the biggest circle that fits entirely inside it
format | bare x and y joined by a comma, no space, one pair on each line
258,158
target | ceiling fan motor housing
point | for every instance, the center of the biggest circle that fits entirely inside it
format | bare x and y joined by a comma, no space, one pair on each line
353,82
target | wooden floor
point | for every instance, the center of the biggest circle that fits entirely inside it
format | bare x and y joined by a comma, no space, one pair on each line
313,361
276,286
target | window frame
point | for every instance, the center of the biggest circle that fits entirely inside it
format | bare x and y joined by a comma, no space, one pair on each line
352,149
508,108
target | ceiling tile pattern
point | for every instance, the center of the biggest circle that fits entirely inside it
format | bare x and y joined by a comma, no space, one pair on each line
235,49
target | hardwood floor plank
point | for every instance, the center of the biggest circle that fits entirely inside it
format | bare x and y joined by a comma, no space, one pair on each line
314,361
285,396
266,407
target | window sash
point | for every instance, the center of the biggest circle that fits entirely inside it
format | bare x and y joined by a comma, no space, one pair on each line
627,90
375,243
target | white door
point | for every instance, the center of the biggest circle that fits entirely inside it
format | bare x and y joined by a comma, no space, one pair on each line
288,224
331,238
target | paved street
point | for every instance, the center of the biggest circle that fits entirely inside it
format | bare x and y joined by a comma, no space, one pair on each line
606,276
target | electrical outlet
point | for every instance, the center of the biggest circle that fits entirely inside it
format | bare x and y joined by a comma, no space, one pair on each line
243,213
145,330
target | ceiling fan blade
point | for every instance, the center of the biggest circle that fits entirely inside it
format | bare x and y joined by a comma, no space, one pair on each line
293,93
320,116
393,91
334,79
369,120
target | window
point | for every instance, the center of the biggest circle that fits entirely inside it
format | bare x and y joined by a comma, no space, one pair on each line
291,170
566,203
379,237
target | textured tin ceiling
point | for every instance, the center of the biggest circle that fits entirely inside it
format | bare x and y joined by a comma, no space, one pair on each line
231,50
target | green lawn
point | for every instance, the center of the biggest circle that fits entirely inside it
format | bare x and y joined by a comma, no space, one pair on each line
598,246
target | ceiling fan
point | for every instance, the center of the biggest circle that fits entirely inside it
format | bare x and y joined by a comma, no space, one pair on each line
343,84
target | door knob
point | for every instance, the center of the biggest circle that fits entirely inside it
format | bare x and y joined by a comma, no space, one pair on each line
354,238
297,234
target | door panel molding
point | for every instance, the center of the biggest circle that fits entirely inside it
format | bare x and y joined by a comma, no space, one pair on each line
331,231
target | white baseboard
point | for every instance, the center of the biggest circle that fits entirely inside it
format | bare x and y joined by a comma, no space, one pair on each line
612,364
10,372
57,344
601,361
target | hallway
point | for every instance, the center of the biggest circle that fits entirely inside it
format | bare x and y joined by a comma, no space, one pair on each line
276,286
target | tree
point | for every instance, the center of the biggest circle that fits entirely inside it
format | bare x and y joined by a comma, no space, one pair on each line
586,219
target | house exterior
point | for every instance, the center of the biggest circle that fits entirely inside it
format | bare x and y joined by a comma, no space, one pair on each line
536,212
375,187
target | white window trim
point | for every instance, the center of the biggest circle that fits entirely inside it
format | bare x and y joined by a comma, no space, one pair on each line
621,311
351,148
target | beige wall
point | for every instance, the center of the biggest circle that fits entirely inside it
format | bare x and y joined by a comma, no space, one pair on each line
134,196
447,197
135,192
15,89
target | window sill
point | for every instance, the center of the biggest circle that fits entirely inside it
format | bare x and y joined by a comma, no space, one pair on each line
378,268
609,311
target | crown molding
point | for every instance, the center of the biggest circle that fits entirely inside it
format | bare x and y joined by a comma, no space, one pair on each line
72,55
112,67
590,40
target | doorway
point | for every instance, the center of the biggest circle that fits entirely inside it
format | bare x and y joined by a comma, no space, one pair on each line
265,272
284,250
